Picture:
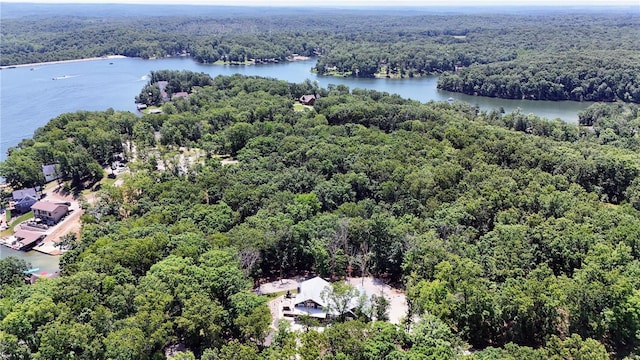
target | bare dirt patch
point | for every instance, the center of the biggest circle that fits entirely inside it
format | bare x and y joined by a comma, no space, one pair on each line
396,297
278,286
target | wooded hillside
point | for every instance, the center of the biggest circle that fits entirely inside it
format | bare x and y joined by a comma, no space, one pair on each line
512,235
550,54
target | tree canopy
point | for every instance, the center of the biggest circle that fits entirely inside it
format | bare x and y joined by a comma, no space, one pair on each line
512,235
554,54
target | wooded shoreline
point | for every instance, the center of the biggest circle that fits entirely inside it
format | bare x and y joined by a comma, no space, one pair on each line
108,57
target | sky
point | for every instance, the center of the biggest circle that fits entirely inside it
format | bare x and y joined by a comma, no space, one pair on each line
297,3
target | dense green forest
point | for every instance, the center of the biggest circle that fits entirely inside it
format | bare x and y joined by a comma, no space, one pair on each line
513,236
557,55
597,75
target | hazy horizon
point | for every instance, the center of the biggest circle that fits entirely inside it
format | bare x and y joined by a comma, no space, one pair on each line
351,3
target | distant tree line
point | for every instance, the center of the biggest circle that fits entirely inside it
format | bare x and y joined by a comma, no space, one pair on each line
590,76
566,56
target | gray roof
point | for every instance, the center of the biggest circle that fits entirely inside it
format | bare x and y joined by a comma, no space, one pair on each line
23,193
27,200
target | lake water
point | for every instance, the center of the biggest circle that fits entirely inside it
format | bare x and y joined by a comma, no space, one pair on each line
29,97
44,262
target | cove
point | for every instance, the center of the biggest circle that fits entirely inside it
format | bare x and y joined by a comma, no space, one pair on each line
31,96
44,262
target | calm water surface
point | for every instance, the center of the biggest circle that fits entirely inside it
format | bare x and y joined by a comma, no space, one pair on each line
29,97
44,262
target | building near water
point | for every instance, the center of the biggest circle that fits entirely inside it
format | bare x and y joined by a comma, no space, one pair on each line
48,212
23,199
25,240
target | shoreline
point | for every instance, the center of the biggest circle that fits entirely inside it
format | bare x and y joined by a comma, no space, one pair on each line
107,57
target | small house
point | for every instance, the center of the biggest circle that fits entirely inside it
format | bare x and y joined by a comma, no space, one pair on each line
32,277
308,99
309,300
23,199
49,213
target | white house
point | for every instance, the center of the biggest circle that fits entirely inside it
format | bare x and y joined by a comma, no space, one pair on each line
311,300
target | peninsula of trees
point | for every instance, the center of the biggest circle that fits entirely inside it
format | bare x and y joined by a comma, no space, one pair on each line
514,237
559,55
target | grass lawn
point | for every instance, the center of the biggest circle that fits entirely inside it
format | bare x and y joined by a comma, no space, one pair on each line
149,108
86,192
50,186
300,107
106,180
17,221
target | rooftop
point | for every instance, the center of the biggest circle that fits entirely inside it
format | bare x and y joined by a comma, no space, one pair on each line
27,237
23,193
312,290
181,94
47,206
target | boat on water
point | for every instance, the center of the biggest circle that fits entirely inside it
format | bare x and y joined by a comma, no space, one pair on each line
62,77
451,99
